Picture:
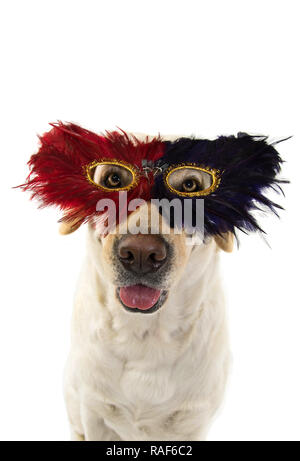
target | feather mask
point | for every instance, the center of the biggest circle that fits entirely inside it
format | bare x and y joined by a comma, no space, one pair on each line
75,168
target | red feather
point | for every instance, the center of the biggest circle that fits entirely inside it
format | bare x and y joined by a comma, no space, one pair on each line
57,172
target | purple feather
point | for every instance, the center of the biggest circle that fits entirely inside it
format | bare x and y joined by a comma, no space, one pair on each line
248,165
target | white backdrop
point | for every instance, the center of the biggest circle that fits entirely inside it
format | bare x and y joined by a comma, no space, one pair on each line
193,67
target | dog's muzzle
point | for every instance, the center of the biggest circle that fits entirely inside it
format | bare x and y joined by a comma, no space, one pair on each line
143,264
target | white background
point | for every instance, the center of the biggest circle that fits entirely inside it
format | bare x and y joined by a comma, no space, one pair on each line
194,67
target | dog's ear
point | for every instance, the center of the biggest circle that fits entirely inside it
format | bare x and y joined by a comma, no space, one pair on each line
67,227
225,241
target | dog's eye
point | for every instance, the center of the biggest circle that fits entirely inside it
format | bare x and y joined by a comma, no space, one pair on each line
113,180
190,180
112,175
191,185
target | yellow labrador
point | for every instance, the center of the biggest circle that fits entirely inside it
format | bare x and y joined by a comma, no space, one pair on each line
149,353
140,373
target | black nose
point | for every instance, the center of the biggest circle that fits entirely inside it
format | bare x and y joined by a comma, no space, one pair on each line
142,253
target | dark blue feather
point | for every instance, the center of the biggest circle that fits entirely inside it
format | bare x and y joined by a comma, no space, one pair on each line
249,167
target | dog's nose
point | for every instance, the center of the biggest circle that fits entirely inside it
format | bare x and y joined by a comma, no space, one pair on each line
142,253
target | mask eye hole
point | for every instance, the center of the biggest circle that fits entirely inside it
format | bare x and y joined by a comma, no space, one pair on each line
191,180
112,175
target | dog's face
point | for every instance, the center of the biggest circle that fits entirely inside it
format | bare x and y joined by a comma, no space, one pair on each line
80,171
144,267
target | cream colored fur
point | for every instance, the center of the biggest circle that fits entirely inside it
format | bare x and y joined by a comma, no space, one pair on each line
148,377
158,376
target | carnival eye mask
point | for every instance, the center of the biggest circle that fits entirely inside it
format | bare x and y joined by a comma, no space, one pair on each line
75,168
112,175
191,180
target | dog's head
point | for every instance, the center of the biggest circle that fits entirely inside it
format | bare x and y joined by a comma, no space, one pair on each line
76,170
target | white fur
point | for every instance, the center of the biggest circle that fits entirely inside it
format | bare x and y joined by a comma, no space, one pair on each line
157,376
147,377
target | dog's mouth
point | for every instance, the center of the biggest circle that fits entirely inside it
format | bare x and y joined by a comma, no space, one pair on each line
141,298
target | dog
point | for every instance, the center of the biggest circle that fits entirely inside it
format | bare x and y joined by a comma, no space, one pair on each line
139,375
149,355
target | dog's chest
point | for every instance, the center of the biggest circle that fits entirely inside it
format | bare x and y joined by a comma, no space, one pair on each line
144,379
140,394
144,383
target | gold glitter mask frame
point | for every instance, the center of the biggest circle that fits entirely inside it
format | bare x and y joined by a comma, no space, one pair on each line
91,167
213,172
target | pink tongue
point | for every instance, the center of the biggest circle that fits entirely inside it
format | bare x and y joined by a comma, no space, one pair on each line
139,296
